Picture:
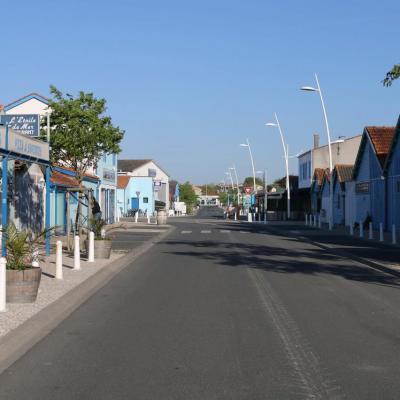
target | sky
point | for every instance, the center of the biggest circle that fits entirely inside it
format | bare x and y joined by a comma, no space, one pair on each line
189,80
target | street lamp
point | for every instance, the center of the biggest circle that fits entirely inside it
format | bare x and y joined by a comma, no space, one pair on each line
237,182
286,155
318,89
247,144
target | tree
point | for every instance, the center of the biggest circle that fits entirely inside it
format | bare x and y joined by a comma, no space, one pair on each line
81,133
187,195
393,74
250,183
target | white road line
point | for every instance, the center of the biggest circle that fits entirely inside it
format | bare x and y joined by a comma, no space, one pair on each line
224,231
244,232
205,231
185,232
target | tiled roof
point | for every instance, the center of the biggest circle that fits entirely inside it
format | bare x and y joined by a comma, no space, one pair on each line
344,172
123,181
87,174
318,175
131,165
60,179
381,138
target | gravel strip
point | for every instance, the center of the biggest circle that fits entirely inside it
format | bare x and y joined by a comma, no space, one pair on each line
51,289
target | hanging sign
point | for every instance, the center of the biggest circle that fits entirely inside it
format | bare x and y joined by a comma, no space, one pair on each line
24,145
27,124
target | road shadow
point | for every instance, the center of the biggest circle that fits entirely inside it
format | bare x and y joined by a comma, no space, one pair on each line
283,260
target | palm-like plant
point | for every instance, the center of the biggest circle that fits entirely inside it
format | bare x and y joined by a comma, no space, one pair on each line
21,246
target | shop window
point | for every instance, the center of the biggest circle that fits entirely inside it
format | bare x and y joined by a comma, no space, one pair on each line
145,200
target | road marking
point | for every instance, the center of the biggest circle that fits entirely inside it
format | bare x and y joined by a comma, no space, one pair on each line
244,232
185,232
224,231
205,231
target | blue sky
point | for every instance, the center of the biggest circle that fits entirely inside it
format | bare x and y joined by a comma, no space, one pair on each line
190,80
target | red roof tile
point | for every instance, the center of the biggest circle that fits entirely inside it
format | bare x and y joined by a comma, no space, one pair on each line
61,179
123,181
344,172
318,175
381,138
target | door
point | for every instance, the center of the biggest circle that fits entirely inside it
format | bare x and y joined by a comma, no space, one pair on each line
134,203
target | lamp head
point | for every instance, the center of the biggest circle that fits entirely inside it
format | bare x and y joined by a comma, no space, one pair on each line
309,89
271,124
244,145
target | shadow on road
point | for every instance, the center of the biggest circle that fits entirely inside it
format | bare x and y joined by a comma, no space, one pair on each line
282,260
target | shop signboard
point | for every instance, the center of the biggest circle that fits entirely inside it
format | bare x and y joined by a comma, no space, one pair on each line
21,144
157,186
27,124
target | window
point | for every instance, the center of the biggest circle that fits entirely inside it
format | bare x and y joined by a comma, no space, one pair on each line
362,187
145,200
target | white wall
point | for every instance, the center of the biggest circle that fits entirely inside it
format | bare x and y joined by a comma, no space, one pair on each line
32,106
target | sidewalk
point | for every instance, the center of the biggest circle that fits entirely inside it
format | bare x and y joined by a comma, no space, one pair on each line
372,251
23,325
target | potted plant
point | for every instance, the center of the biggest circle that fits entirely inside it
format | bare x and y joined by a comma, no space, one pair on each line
22,279
102,244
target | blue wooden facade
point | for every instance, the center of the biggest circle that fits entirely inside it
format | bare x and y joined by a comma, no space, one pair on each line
392,174
370,187
341,174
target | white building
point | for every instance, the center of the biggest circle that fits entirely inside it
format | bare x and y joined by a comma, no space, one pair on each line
343,152
150,169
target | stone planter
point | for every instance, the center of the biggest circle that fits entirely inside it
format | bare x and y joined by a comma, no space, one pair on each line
102,248
22,286
161,217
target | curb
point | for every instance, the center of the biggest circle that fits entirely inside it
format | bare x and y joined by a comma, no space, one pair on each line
20,340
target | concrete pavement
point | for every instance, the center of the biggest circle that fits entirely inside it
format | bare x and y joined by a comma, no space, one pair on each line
224,310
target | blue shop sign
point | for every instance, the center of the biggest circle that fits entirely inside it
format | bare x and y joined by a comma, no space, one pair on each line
27,124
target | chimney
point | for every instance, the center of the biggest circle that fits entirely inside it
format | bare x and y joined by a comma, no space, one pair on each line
316,140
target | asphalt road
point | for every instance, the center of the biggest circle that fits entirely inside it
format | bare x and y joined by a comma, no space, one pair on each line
225,310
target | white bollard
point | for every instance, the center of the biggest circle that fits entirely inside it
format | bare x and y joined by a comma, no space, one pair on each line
91,247
319,221
306,219
351,229
59,270
361,229
380,232
35,258
254,217
235,217
77,254
136,217
249,219
393,234
315,221
148,218
371,234
3,263
265,218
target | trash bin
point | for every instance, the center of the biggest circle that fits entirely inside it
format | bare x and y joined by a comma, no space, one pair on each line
161,217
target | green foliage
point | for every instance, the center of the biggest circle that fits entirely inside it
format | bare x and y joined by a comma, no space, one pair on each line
188,196
21,246
80,132
250,183
393,74
97,226
210,189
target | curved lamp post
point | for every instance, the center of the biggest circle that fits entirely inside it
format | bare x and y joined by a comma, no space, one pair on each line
237,182
318,89
286,155
247,144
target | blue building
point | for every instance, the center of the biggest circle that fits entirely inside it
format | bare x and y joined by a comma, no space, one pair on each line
315,191
107,191
135,193
325,191
341,174
392,174
368,175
